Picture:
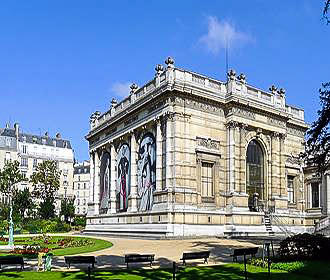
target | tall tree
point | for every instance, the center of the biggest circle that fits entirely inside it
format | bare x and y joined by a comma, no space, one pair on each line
326,10
67,209
46,182
22,201
10,176
318,143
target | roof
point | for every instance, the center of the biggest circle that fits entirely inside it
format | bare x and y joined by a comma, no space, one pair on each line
81,169
36,139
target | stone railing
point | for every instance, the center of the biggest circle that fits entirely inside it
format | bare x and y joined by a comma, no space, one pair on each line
322,224
212,87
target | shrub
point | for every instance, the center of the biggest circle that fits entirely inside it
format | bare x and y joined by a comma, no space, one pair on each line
304,246
80,221
288,266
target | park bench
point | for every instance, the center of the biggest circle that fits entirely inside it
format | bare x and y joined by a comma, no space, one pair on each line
195,255
9,260
134,258
80,260
244,252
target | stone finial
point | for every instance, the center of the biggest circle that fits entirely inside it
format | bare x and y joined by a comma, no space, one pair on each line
273,89
133,88
242,78
114,102
159,69
169,62
281,91
231,75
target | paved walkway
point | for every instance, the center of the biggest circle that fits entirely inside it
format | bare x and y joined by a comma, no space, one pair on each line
166,251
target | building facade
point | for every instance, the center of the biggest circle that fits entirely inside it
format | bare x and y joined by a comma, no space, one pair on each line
188,155
81,181
30,150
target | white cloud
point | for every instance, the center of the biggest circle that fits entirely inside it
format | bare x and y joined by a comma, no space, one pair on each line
120,89
221,34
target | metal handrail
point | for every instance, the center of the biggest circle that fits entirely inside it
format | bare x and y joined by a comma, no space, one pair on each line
278,221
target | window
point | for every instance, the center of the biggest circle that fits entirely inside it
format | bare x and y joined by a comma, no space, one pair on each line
84,186
290,189
8,141
24,162
23,174
78,201
24,148
35,163
315,195
207,179
254,172
78,186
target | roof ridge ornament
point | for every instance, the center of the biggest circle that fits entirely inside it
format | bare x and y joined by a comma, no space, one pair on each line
273,89
159,70
134,87
242,78
231,75
169,62
281,91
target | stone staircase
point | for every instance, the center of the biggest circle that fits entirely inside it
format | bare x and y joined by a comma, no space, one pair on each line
268,224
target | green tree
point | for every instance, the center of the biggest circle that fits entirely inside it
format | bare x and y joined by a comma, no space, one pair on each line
46,182
67,209
318,142
10,176
22,201
326,11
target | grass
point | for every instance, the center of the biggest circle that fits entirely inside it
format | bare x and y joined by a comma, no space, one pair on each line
312,271
97,244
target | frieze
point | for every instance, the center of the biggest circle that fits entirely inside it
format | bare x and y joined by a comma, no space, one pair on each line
293,160
244,113
208,143
276,122
156,106
193,104
131,120
295,131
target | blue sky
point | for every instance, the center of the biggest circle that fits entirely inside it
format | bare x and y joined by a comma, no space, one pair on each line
62,60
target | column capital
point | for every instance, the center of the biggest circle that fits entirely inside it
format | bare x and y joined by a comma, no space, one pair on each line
231,124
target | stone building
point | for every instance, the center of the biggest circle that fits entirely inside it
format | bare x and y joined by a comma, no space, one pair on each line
81,180
30,150
187,155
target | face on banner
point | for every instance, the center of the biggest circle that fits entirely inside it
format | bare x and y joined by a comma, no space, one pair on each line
146,172
123,187
104,183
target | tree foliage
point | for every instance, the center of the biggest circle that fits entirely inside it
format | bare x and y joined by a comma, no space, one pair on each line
326,10
10,175
67,209
22,201
46,180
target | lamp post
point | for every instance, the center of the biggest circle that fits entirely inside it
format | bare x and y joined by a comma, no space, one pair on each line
11,224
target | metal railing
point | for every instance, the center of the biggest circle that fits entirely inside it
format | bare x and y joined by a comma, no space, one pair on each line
280,222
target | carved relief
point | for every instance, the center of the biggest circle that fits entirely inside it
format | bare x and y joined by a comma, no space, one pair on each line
243,113
276,122
199,106
295,131
208,143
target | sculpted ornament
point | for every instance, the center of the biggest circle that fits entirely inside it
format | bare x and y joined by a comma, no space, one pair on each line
231,75
208,143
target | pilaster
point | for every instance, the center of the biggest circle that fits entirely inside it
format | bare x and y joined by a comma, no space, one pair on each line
97,183
113,177
159,154
132,201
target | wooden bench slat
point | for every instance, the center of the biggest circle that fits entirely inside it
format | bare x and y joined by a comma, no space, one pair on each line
134,258
12,260
80,260
195,255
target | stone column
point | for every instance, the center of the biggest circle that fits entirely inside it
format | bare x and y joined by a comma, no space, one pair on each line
275,164
113,178
97,183
132,204
231,126
159,156
169,152
283,191
91,184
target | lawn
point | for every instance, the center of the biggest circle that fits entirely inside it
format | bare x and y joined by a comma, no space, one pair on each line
79,244
312,271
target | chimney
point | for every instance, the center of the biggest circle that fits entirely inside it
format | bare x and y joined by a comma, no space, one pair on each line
7,125
46,134
16,127
58,135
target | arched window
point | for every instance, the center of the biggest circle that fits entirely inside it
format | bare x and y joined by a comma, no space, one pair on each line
254,173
